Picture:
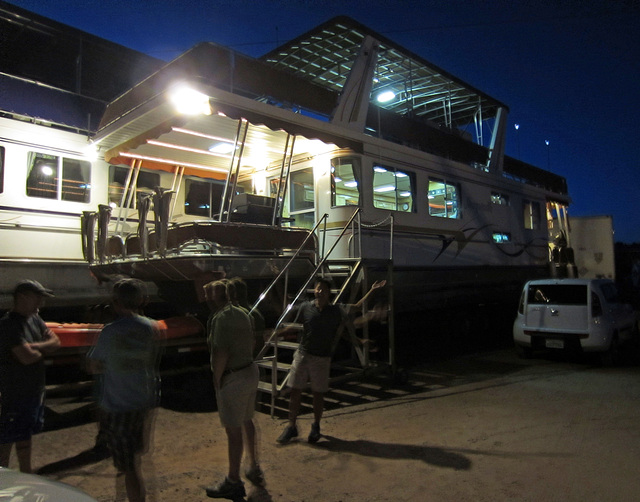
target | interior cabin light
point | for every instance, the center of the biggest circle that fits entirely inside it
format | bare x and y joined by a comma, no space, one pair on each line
379,169
221,147
386,96
46,170
351,184
189,101
337,179
385,188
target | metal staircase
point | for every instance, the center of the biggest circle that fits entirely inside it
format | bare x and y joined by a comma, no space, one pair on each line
351,281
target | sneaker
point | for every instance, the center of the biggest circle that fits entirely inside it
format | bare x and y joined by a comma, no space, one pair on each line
227,490
314,435
255,475
288,434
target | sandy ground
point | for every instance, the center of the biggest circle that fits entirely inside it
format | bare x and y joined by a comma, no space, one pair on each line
485,427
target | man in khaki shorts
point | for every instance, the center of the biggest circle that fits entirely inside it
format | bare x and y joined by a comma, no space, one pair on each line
312,361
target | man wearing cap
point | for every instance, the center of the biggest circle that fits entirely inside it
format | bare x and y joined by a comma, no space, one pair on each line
24,340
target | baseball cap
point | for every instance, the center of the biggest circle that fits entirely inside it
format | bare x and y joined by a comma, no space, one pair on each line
30,286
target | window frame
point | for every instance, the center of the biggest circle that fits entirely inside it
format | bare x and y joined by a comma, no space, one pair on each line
400,192
62,187
349,192
531,214
456,212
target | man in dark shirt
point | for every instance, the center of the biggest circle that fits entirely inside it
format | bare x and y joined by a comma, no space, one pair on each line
24,339
312,361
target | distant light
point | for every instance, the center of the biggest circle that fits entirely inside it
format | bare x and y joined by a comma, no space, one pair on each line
188,101
386,96
517,126
546,142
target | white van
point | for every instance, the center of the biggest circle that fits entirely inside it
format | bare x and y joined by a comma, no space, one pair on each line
573,314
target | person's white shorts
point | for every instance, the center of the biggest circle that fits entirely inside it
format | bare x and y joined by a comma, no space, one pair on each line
236,396
308,368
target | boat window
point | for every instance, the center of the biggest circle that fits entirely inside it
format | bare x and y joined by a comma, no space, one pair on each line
501,237
444,199
531,215
345,188
42,180
499,199
202,197
301,198
146,183
393,189
1,169
76,182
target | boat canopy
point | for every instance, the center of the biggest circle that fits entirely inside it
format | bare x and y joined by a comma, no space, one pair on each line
416,87
294,91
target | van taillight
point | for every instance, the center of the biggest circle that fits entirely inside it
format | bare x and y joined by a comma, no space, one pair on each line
596,305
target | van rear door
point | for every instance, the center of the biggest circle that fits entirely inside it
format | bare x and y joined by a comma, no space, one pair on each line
557,308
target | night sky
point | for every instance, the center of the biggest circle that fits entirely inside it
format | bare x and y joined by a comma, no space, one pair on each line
568,70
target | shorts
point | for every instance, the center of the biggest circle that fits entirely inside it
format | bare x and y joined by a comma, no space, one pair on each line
309,368
236,397
127,435
20,418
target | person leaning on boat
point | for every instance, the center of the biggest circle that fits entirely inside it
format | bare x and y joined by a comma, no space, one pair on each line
321,321
235,378
24,340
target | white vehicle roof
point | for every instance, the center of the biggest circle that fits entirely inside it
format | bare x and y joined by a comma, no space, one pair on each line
575,282
16,485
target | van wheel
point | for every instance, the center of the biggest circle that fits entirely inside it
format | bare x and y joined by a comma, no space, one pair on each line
612,356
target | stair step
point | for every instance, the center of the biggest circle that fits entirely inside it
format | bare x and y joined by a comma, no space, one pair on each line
342,260
280,366
265,387
285,345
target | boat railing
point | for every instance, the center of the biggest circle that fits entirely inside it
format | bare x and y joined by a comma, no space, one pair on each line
285,269
273,338
355,239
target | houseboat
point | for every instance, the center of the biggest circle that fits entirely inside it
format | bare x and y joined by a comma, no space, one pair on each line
339,145
339,153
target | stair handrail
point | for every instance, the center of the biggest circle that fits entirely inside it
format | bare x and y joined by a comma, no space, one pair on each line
288,308
288,264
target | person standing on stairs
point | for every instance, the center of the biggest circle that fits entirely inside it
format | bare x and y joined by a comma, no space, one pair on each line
312,360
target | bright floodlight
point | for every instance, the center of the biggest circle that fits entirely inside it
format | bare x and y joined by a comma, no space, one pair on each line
189,101
386,96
